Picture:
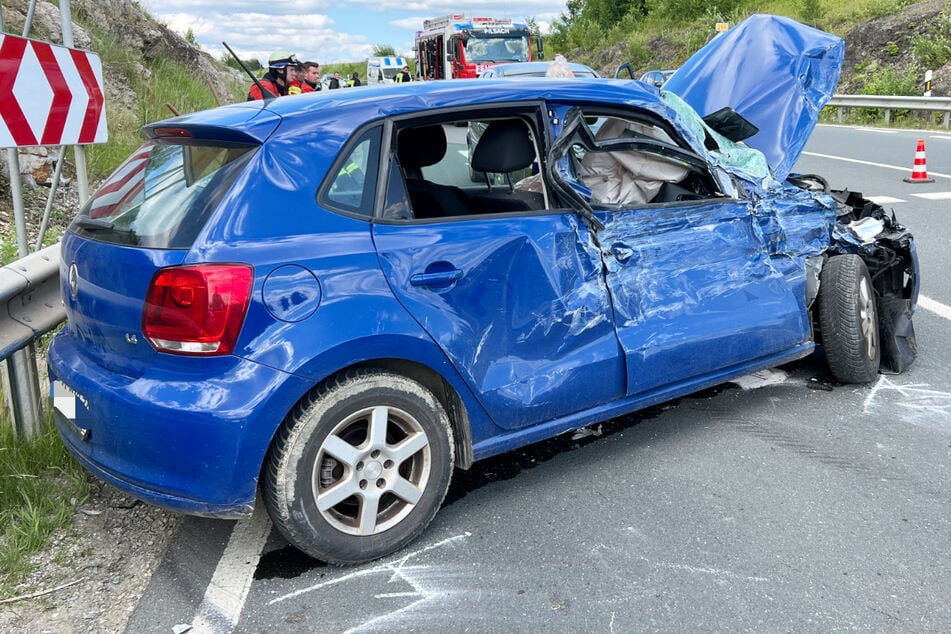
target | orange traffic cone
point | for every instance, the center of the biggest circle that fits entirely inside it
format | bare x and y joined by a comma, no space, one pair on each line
919,173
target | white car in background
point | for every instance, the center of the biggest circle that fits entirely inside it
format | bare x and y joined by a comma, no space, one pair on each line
519,70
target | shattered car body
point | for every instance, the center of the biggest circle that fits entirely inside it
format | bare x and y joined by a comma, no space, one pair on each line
309,297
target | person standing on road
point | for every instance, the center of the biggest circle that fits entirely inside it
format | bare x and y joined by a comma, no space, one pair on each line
334,81
403,76
281,71
355,80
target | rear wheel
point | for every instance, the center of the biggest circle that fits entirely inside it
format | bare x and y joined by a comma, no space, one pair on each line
848,319
360,468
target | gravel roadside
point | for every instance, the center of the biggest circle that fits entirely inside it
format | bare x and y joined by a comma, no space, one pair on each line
90,577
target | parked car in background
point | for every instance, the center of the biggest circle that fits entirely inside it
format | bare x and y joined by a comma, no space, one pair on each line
308,298
656,77
519,70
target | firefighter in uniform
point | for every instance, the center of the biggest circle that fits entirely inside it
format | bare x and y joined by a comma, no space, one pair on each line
281,75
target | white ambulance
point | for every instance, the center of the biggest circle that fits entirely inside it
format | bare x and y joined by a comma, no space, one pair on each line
382,70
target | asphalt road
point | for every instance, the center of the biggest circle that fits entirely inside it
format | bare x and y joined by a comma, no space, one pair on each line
787,504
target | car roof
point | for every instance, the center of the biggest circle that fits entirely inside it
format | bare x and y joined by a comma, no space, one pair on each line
350,110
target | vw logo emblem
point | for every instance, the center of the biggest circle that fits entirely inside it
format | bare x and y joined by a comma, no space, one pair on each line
73,281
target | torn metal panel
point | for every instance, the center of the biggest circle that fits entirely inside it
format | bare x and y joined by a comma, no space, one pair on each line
795,222
694,290
776,72
519,307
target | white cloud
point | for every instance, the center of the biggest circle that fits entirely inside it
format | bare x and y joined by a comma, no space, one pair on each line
327,31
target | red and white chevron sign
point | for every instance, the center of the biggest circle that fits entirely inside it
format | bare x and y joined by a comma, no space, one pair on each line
49,95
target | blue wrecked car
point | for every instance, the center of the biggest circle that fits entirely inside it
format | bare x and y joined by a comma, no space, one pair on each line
310,299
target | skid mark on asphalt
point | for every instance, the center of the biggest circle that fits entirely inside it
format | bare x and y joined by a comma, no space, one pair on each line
398,570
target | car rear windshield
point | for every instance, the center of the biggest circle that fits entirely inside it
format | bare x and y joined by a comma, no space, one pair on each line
162,195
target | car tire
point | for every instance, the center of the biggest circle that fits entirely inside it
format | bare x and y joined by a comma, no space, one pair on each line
848,319
360,467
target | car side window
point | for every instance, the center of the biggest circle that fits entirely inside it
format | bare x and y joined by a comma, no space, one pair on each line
353,187
465,166
636,162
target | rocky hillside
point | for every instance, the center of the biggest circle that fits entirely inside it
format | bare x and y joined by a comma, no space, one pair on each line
870,49
127,26
888,43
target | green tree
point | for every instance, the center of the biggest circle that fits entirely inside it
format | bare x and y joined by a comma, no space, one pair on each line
607,13
384,50
533,27
190,37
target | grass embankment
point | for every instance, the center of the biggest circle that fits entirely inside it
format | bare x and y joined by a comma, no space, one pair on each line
40,486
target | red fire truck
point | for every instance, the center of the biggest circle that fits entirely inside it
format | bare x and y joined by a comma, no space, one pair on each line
454,47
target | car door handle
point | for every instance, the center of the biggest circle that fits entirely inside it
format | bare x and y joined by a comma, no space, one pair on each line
439,278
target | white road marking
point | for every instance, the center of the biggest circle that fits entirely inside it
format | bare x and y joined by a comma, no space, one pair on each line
885,200
715,572
414,576
934,195
906,168
939,309
395,567
228,589
918,398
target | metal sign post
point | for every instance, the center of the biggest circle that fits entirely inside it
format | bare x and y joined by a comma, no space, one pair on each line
52,95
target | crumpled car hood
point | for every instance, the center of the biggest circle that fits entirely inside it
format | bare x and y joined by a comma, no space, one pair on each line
776,72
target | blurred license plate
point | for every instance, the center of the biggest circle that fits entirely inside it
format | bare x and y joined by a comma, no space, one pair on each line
66,403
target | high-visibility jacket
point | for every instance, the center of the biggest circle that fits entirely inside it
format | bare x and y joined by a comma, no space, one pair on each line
403,77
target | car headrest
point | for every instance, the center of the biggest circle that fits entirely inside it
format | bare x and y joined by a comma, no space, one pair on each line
421,147
504,147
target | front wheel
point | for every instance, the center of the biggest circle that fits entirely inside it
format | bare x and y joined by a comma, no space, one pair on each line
848,319
360,467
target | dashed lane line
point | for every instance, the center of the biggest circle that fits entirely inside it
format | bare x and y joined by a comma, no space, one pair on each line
886,200
871,163
934,195
939,309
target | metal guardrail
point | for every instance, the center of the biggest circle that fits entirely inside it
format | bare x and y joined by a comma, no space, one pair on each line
30,299
30,307
889,103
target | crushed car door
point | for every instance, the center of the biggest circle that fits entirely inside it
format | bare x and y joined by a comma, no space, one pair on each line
515,298
692,283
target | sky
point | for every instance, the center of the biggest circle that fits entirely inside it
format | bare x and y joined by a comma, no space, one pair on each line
326,31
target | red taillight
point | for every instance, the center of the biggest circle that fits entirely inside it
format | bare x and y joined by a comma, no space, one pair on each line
197,309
